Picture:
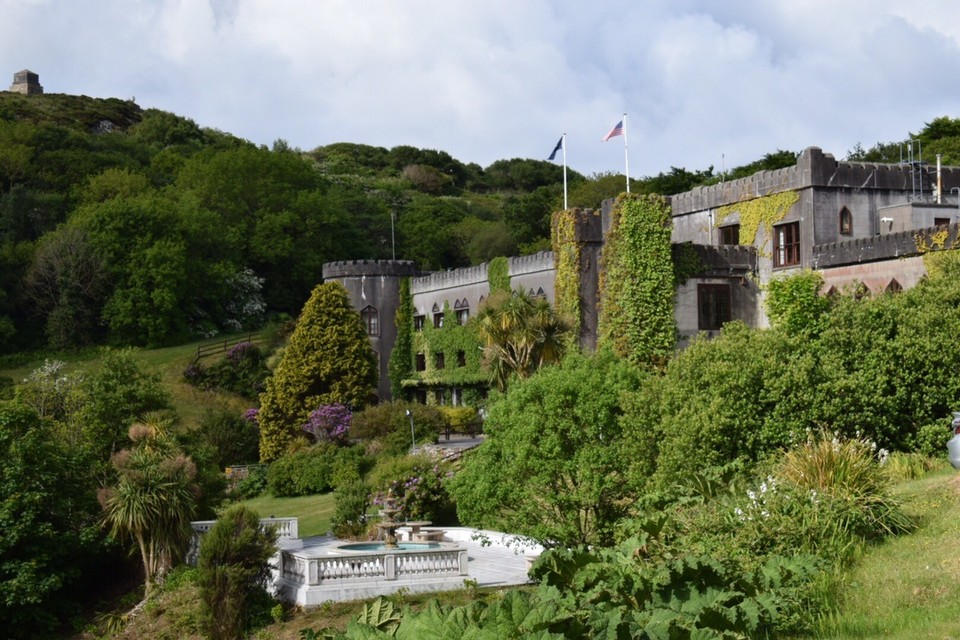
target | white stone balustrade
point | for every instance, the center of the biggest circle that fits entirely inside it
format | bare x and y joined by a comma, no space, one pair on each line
372,566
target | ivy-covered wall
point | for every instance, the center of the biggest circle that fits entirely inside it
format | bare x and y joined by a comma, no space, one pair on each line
498,275
401,358
450,339
566,260
637,281
758,213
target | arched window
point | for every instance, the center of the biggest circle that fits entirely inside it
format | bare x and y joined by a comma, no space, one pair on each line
371,320
846,222
437,316
462,309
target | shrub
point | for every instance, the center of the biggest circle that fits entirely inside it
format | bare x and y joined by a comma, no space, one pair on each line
461,419
329,423
350,515
253,485
242,371
235,439
417,485
233,571
389,425
931,439
312,470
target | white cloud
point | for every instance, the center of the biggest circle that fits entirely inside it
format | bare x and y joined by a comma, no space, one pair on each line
503,79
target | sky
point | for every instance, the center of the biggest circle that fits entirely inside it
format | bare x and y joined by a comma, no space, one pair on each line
703,82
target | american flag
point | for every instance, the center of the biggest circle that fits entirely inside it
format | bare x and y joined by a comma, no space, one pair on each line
616,131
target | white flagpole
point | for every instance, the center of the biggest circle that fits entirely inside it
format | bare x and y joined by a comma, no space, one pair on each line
565,171
626,157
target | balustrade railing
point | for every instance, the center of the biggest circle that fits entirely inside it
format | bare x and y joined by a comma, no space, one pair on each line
348,568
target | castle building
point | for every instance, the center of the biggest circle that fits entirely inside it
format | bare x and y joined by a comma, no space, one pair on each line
861,225
27,82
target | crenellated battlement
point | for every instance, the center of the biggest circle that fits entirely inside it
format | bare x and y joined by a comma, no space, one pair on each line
357,268
448,279
541,261
817,169
884,247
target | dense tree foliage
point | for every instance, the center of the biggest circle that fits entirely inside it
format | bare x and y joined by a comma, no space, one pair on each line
328,360
48,515
554,461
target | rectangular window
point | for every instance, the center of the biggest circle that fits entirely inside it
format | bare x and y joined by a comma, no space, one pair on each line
421,396
440,397
941,222
456,397
462,316
786,245
439,360
437,320
730,234
713,301
421,364
418,322
461,358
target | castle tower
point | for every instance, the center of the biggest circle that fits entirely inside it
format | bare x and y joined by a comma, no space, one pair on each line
27,82
374,290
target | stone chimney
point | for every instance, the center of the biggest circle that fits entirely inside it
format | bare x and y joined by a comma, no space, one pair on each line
27,82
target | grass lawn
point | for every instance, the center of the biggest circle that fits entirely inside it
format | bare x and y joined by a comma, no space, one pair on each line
314,512
909,587
167,362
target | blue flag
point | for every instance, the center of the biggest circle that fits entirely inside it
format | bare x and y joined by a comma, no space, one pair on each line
556,148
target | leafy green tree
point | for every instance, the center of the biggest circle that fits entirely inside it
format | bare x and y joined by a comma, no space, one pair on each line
67,284
520,334
328,360
48,516
234,570
795,304
425,232
553,463
153,500
401,358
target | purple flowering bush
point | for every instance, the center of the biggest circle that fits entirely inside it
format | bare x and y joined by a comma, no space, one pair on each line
330,423
418,487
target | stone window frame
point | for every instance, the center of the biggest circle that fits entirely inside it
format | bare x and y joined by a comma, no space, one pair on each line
714,305
730,234
846,222
370,317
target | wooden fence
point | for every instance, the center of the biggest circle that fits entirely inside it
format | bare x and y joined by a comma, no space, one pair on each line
222,346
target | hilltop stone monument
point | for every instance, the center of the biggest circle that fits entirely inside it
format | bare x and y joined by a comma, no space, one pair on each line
27,82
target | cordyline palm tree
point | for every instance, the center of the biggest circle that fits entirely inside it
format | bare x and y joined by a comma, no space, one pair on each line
520,334
153,501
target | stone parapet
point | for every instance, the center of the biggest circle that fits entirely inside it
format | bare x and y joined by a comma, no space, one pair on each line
439,280
817,169
727,259
356,268
884,247
534,263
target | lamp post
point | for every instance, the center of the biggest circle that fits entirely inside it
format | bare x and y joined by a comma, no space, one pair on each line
413,436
